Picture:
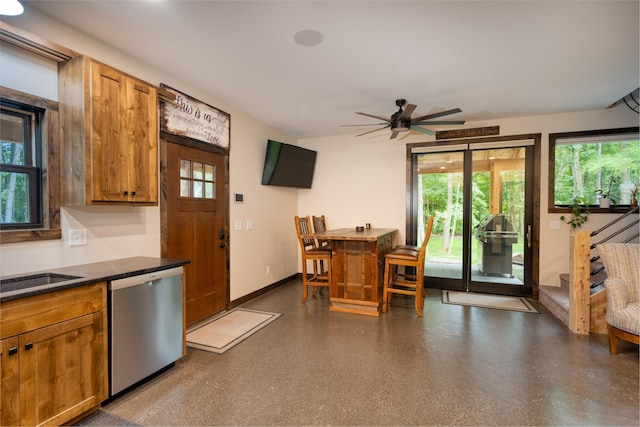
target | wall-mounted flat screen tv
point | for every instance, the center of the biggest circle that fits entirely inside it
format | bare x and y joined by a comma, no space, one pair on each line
287,165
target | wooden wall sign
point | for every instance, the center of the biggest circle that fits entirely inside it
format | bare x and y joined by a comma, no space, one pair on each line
191,118
468,133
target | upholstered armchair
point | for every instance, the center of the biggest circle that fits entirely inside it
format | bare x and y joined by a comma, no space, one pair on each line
622,264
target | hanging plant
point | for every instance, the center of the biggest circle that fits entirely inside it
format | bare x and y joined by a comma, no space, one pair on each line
579,213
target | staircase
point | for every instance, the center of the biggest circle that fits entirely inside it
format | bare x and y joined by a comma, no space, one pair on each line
556,299
580,302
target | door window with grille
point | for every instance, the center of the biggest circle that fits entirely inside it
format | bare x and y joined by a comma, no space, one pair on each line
197,180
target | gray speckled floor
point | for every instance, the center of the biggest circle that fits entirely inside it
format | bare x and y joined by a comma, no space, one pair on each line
455,366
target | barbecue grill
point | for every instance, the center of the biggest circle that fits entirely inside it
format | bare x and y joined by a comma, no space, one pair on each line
495,238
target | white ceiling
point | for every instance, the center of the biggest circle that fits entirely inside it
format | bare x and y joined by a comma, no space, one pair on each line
493,59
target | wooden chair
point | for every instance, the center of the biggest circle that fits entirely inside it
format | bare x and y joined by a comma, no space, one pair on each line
311,252
319,226
397,282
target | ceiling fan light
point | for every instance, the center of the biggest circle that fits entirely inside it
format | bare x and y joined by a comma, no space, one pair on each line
11,8
400,125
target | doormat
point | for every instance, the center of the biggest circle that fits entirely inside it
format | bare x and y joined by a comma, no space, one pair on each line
488,301
223,332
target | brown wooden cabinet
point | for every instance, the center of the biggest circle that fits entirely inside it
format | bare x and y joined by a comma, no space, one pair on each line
109,123
53,356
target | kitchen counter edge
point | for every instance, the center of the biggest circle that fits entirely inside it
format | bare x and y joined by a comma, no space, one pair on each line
92,273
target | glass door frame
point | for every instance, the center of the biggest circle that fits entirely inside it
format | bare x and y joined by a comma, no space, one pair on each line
533,213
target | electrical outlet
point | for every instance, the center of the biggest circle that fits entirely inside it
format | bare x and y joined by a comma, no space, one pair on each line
554,225
77,237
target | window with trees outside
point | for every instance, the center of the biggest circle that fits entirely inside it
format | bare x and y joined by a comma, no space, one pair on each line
587,166
20,168
29,168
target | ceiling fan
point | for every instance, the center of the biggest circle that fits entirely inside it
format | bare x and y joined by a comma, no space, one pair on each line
401,120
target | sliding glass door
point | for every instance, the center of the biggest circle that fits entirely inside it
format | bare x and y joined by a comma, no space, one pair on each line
481,195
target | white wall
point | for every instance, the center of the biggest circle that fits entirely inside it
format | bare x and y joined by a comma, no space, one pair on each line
357,180
119,232
27,72
363,179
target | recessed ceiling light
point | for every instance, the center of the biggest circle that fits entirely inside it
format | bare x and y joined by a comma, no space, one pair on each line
11,8
308,37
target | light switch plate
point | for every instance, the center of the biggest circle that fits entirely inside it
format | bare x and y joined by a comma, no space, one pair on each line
238,225
249,225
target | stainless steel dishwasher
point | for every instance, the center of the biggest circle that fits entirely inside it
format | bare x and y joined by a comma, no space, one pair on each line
146,326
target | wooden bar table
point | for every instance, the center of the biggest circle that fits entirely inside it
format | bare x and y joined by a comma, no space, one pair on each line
357,267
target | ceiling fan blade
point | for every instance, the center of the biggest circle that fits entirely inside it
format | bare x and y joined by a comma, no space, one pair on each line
386,119
375,130
434,115
393,134
423,130
444,122
408,110
365,124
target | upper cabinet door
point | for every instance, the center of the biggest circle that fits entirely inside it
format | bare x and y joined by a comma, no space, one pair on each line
111,153
142,126
109,162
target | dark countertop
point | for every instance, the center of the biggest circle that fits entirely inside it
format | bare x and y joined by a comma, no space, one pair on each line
88,273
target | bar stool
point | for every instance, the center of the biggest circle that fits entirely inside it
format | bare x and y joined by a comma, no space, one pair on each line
311,252
396,282
320,226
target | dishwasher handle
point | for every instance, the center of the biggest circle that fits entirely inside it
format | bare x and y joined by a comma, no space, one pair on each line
144,279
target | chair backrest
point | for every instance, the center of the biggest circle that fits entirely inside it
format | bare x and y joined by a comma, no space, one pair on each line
320,226
622,260
303,229
425,242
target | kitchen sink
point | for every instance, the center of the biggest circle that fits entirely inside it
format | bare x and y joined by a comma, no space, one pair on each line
24,282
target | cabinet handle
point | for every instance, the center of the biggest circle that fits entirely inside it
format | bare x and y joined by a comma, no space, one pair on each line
133,193
28,346
13,350
126,193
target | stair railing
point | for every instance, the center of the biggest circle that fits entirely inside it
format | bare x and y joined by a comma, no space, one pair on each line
579,280
614,221
580,271
612,235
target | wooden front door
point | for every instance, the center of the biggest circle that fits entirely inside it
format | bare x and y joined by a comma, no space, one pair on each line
195,225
